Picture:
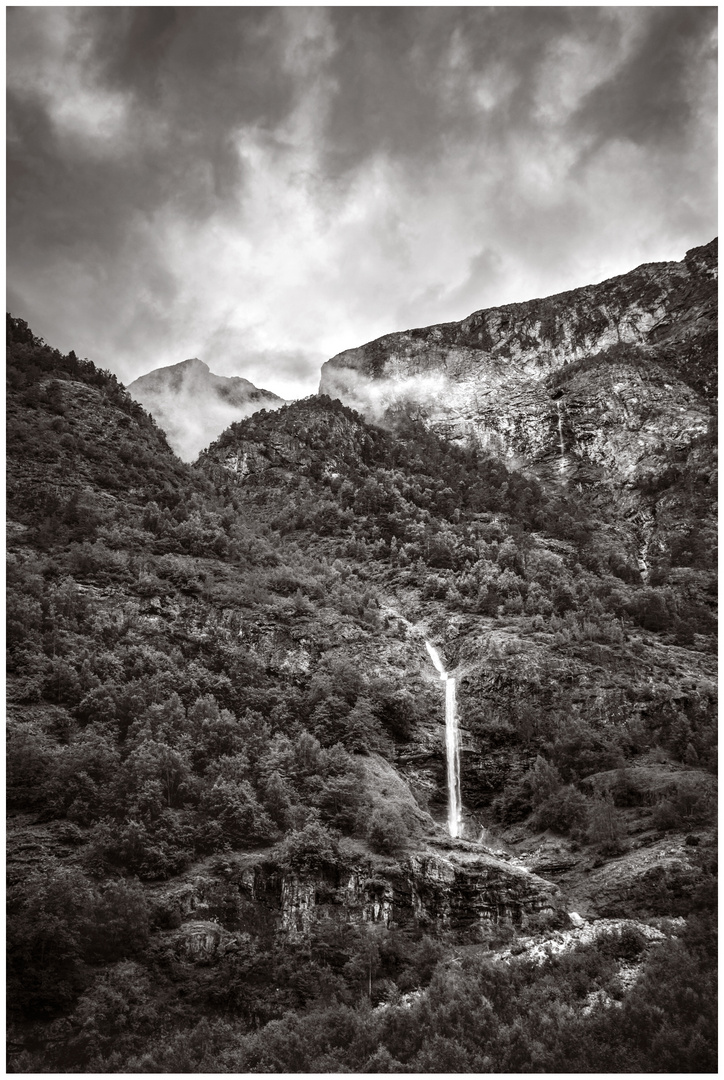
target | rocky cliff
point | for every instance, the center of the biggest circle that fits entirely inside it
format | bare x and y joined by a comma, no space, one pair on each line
193,405
584,385
226,740
457,889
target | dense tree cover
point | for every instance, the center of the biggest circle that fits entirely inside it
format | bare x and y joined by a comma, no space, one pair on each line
401,488
172,744
459,525
158,737
466,532
185,682
58,920
77,636
365,999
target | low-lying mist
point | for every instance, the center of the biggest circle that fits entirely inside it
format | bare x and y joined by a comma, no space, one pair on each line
193,406
375,397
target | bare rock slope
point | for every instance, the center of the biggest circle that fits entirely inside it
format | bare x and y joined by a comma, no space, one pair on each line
583,385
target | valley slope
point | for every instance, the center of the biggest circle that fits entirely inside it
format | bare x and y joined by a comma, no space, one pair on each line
226,777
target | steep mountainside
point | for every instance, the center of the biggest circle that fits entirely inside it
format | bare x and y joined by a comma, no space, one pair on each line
586,679
545,610
589,385
226,750
193,405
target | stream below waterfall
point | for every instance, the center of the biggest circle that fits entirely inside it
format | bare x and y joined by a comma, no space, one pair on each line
452,746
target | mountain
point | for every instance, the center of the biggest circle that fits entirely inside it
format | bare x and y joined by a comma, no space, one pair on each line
193,405
228,846
594,385
501,564
608,389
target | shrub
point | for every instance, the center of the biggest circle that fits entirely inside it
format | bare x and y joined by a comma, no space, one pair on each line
627,789
578,750
118,922
47,915
387,831
29,762
153,850
113,1017
232,807
624,944
605,827
689,804
563,811
307,850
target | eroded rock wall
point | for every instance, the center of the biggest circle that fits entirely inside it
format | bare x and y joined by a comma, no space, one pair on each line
454,890
495,376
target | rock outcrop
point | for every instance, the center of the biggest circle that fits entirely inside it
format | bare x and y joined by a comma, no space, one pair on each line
457,889
584,385
193,405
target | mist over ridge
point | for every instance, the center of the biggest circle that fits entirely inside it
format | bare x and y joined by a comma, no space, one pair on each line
480,377
193,405
539,381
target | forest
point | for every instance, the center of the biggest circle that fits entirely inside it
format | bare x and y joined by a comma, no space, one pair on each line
205,682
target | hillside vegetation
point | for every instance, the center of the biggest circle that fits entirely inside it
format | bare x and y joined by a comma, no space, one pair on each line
217,715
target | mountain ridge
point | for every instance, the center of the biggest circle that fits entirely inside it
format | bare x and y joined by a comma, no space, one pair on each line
227,791
495,376
193,405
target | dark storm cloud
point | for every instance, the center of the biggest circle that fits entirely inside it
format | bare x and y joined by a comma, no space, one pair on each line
401,72
262,187
196,75
188,78
648,100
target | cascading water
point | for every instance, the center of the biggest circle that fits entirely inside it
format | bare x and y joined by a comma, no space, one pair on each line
452,746
561,440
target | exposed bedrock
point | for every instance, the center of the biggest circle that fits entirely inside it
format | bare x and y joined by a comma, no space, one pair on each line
454,890
522,380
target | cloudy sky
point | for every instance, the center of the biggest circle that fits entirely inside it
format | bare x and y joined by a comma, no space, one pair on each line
264,187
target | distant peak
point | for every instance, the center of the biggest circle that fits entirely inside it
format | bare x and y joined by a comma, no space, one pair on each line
172,372
192,363
193,405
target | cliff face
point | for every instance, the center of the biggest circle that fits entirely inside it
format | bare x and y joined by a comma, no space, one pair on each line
446,890
582,385
193,405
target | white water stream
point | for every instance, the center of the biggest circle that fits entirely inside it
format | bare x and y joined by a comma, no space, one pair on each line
562,458
452,745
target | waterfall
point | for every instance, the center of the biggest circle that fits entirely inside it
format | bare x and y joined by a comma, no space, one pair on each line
561,441
452,745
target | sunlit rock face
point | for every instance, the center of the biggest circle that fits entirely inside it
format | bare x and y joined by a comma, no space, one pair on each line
582,385
455,889
193,406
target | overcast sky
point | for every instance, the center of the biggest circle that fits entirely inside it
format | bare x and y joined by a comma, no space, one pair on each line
264,187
